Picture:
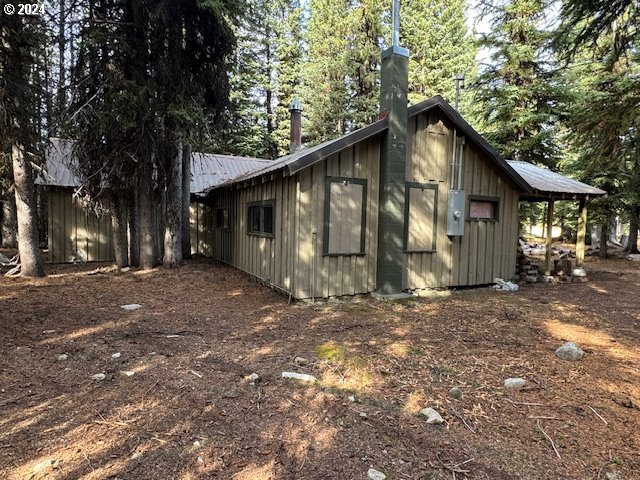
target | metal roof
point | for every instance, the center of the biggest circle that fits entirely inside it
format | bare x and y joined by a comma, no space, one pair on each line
308,156
207,170
544,181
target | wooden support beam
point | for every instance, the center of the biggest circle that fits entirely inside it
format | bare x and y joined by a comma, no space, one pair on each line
582,230
547,256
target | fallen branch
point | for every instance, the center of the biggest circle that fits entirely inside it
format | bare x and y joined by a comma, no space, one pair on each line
525,403
550,440
542,417
598,415
462,419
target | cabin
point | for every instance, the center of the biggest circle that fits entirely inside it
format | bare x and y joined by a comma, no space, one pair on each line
416,200
78,232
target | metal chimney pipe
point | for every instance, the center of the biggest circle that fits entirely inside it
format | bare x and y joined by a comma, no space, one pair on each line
295,134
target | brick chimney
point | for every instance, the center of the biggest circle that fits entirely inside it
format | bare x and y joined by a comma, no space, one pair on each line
295,135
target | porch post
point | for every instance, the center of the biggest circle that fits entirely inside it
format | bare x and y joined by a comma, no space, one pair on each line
547,256
582,229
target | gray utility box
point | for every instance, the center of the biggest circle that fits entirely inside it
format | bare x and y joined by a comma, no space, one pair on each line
455,213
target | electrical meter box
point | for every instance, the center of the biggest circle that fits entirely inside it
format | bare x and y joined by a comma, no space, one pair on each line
455,213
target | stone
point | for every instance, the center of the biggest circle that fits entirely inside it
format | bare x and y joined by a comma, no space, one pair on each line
253,378
433,417
578,272
63,356
131,306
570,351
612,476
303,377
501,284
125,269
98,377
197,444
116,355
300,361
352,398
374,474
456,393
515,383
128,373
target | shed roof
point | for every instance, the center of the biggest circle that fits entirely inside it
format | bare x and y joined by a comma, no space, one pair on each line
207,170
545,182
306,157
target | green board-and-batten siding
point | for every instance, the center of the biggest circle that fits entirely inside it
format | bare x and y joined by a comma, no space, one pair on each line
487,249
80,234
293,259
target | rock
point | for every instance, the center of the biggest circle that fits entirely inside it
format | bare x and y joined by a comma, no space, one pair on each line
515,383
116,355
125,269
131,306
635,257
200,459
433,417
136,455
456,393
578,272
501,284
570,351
352,398
374,474
128,373
612,476
303,377
98,377
63,356
300,361
197,444
253,378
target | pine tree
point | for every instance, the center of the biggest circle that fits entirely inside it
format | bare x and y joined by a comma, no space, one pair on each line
520,92
326,95
20,41
288,30
440,48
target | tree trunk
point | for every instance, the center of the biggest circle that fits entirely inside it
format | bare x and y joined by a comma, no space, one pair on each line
186,201
173,216
604,236
119,230
30,261
145,212
9,233
42,203
134,232
632,244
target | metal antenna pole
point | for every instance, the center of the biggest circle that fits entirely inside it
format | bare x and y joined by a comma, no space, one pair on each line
395,40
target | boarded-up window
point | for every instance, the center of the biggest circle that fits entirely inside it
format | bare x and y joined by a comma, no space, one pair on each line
421,210
222,218
260,218
483,208
345,207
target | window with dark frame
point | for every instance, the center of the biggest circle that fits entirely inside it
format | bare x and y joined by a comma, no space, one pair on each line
484,209
222,218
421,214
344,216
260,218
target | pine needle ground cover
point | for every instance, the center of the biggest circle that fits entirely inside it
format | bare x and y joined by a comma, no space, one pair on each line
175,399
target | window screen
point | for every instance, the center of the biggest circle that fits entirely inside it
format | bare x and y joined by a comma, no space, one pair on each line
222,218
345,207
421,205
483,209
260,218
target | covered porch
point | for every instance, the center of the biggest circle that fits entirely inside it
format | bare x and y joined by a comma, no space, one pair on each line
548,186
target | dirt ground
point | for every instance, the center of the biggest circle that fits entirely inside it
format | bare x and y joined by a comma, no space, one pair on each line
190,412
